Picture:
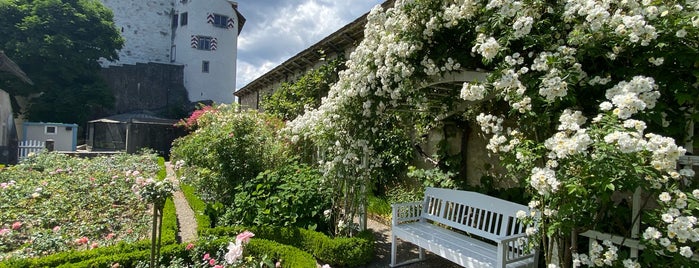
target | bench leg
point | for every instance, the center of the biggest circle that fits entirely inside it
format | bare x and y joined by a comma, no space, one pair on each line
394,249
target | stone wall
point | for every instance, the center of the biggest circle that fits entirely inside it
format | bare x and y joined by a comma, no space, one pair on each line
146,28
153,87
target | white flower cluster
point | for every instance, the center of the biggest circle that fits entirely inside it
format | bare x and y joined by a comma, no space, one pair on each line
665,152
462,9
472,91
598,256
627,18
509,83
553,86
680,229
522,26
634,96
488,47
627,142
544,180
564,144
507,8
490,123
571,139
571,120
597,80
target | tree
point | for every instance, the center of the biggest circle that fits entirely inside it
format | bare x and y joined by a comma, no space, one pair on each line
58,44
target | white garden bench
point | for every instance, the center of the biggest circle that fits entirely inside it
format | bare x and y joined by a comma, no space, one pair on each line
468,228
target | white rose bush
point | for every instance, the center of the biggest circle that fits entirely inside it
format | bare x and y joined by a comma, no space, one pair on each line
583,99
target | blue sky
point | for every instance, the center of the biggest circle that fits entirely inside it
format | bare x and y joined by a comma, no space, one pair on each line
276,30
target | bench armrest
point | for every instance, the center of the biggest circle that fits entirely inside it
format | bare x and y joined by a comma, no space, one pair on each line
405,212
513,248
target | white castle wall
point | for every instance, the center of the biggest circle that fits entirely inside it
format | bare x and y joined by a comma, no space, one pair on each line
145,26
219,83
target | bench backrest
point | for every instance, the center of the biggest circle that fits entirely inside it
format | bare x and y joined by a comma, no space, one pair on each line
472,212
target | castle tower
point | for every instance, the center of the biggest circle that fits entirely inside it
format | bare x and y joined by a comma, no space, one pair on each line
206,42
201,36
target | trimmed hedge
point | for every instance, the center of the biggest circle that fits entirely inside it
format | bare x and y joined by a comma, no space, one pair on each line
197,205
342,251
291,256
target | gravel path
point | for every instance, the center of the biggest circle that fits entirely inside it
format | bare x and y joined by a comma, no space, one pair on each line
186,221
406,250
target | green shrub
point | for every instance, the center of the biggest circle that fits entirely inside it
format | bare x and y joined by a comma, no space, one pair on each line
290,256
290,195
229,147
197,205
344,251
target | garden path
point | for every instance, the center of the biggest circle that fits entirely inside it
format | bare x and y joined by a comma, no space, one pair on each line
382,232
185,215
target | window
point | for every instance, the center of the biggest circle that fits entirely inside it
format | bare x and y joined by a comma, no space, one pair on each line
50,130
183,19
220,21
175,19
205,66
173,53
204,43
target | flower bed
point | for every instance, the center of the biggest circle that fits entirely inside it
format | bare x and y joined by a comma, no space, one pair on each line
51,203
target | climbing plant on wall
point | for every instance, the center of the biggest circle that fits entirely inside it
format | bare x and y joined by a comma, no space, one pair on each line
547,67
291,99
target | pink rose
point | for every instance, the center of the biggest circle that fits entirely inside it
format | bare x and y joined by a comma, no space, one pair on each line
94,245
4,231
206,256
56,228
110,236
244,237
189,246
16,225
218,266
212,262
82,241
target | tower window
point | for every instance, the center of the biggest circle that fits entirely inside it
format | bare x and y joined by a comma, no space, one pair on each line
183,19
204,42
220,21
205,66
175,19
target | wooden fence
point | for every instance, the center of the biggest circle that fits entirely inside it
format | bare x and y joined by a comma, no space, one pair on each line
29,146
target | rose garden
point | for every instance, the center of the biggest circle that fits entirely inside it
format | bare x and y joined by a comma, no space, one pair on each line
585,108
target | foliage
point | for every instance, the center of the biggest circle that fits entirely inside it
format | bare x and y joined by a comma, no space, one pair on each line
60,203
58,44
432,177
544,67
119,252
339,251
228,148
292,99
290,195
197,205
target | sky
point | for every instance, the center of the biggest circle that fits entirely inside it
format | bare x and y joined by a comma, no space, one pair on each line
276,30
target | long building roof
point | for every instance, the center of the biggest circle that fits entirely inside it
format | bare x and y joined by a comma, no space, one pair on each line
338,42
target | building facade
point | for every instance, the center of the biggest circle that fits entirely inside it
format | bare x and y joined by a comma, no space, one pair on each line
201,36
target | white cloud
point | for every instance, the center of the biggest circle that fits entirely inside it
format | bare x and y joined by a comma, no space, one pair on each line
277,30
